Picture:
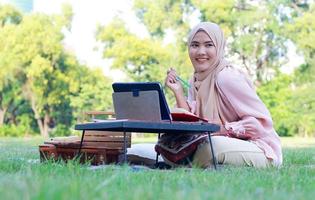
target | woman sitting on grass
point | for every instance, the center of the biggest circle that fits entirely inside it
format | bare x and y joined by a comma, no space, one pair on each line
223,95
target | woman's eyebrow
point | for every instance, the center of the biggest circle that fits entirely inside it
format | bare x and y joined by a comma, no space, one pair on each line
208,42
195,42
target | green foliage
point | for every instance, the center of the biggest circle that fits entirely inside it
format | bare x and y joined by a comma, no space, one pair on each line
302,32
252,32
9,15
13,130
141,59
10,82
300,29
220,12
277,96
44,88
292,105
60,130
256,35
91,92
39,80
159,16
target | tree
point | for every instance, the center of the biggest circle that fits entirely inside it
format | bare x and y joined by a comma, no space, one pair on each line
141,59
301,30
9,15
252,32
257,34
10,83
277,94
34,52
91,92
40,81
291,105
147,59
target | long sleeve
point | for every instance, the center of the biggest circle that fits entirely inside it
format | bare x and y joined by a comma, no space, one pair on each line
252,120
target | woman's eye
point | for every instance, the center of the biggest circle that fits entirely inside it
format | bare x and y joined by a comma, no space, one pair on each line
194,45
209,45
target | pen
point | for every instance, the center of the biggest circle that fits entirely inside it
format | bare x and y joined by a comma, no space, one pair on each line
185,83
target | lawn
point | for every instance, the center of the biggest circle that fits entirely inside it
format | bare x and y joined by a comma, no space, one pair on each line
23,177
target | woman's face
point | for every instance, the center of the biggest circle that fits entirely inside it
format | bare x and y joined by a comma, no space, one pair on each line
202,51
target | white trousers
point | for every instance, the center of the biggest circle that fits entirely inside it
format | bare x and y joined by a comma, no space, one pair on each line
230,151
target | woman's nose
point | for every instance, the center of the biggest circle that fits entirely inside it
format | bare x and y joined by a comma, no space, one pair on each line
201,50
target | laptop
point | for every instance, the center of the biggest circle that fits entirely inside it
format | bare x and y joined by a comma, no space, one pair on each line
140,101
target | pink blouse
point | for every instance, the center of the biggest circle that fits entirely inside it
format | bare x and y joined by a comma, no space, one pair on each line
247,116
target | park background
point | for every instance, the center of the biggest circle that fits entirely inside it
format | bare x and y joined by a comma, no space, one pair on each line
46,86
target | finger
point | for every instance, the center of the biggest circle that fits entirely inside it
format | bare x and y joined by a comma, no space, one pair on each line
170,82
171,70
170,79
173,80
172,76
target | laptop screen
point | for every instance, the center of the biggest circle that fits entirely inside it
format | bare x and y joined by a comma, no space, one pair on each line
136,87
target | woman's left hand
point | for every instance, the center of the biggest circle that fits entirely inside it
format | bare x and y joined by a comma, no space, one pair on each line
172,82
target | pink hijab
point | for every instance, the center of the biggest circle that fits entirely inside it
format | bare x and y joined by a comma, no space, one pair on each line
205,91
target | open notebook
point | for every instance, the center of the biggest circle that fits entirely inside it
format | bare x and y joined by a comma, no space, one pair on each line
146,101
180,114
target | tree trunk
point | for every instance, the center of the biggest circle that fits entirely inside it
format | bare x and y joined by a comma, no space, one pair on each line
2,113
42,123
46,125
3,110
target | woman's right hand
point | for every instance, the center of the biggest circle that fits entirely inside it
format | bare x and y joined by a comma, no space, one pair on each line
172,82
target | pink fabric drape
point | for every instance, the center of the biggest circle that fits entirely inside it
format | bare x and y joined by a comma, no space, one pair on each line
246,115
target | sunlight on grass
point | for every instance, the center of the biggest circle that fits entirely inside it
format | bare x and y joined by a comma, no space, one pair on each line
151,139
297,142
22,176
287,142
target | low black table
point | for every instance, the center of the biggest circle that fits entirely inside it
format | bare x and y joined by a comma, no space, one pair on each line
172,127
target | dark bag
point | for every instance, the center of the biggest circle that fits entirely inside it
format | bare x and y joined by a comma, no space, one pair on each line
177,148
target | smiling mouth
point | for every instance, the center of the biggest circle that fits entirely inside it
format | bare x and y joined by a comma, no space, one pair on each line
201,59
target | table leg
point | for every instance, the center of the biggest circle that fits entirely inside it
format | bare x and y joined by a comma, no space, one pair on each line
212,152
125,148
81,142
157,154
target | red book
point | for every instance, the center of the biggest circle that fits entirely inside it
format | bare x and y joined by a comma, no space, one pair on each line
180,114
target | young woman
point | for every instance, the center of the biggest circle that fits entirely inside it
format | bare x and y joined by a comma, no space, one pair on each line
224,95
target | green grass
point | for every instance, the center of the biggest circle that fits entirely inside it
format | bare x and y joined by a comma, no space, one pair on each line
23,177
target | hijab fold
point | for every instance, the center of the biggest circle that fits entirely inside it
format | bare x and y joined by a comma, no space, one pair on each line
205,90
